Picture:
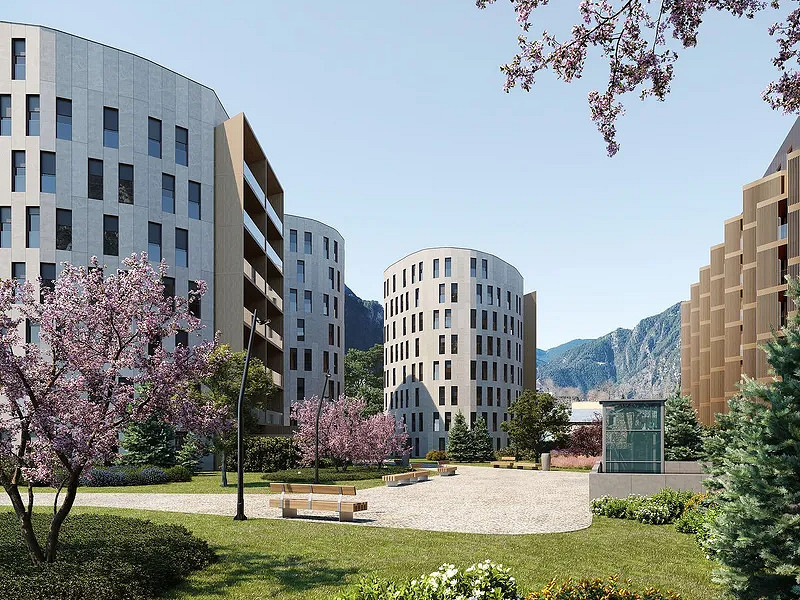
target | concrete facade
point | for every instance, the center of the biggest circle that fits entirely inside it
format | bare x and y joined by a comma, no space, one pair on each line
314,310
678,475
457,333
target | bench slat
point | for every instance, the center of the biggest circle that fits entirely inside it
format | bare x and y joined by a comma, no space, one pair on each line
313,488
302,504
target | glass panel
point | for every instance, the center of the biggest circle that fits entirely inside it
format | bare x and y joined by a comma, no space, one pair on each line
63,119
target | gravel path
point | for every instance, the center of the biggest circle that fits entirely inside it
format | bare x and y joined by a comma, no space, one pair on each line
477,500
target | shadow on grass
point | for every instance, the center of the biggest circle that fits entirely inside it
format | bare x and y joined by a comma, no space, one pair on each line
292,573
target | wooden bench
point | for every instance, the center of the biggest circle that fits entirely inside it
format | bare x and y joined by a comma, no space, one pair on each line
396,479
446,471
526,465
290,506
507,462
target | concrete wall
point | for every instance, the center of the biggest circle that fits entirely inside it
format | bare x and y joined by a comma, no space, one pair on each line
679,475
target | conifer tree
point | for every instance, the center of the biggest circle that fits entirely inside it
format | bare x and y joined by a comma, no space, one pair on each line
150,442
755,469
683,434
459,446
482,449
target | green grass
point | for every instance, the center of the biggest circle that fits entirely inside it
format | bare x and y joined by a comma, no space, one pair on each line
293,559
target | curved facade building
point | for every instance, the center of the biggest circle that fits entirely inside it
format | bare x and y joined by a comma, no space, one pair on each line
104,153
314,291
456,329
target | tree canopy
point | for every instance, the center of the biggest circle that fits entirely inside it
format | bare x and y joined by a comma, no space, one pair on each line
683,434
363,377
538,419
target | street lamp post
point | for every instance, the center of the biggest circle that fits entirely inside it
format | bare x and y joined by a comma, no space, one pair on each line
316,429
240,516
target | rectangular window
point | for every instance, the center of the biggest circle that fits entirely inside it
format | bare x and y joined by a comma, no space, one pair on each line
181,146
31,332
293,359
154,241
473,267
448,267
448,369
47,173
182,338
454,395
485,268
95,179
442,344
326,305
441,402
301,389
301,271
63,229
301,330
335,251
326,247
332,277
435,319
18,274
485,319
307,301
110,127
17,58
32,116
32,225
473,318
63,119
194,300
154,137
435,268
484,370
5,227
326,361
293,240
293,299
331,336
168,193
307,360
5,114
479,396
479,344
448,318
111,235
453,292
47,272
453,344
447,416
336,367
336,308
125,184
442,296
436,370
307,239
18,171
181,247
195,200
490,294
473,370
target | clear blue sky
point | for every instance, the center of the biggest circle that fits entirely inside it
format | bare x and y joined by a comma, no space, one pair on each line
387,120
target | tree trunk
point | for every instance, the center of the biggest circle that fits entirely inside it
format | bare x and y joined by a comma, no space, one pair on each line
25,524
60,516
224,469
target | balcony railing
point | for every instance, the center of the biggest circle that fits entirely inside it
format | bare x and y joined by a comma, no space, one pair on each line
259,238
262,198
261,283
783,231
263,330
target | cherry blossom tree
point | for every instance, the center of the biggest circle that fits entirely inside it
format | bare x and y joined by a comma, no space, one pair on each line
639,39
346,436
97,366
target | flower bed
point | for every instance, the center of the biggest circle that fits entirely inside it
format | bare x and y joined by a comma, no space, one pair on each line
664,507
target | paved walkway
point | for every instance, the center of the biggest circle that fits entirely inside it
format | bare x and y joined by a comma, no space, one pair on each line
477,500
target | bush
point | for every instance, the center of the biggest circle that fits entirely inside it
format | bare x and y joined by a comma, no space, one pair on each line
190,453
484,579
103,478
436,455
100,557
153,476
178,473
267,454
330,474
664,507
690,521
607,589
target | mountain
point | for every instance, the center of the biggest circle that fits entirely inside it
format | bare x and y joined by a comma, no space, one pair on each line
636,363
544,356
363,322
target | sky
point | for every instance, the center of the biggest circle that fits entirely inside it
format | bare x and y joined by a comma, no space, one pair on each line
387,120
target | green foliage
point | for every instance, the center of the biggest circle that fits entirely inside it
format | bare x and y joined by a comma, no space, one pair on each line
664,507
190,453
178,473
100,558
481,441
608,589
150,442
124,475
331,475
754,465
683,434
266,454
363,377
436,455
459,445
537,418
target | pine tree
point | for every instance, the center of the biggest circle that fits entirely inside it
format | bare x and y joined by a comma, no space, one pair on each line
755,469
150,442
683,434
459,446
482,449
538,419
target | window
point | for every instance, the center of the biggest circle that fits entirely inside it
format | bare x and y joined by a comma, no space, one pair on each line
485,319
479,344
47,173
95,191
182,338
332,277
473,318
436,370
479,396
32,116
125,184
484,268
5,227
336,366
17,58
307,360
473,267
18,171
169,288
31,332
307,302
326,305
335,251
194,300
301,388
5,114
454,395
448,318
167,193
293,299
293,240
336,308
181,247
441,403
490,294
47,271
154,137
331,335
307,242
416,298
473,370
301,330
436,319
301,271
111,235
110,127
18,275
448,369
32,226
326,247
442,296
435,268
293,359
453,344
453,292
63,119
181,146
448,267
441,344
154,241
63,229
195,211
447,418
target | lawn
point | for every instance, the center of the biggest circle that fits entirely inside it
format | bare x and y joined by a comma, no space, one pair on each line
270,558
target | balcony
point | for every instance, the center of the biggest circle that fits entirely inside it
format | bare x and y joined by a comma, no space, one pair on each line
259,238
252,182
257,280
264,330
